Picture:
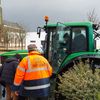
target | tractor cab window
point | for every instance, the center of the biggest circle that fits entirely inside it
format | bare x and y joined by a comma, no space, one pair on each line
79,42
64,42
60,45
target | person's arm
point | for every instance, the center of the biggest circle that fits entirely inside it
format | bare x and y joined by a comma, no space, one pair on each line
20,72
50,70
19,75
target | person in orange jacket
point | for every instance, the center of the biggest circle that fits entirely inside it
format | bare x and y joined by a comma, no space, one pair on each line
34,73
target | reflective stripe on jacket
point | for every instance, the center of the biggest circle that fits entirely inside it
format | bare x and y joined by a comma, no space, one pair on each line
34,70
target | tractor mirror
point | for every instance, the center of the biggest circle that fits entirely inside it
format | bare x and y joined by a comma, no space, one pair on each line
39,31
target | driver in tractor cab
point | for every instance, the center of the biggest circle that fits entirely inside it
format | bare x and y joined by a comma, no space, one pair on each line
66,40
65,43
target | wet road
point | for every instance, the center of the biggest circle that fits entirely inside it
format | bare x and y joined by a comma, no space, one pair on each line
1,90
3,99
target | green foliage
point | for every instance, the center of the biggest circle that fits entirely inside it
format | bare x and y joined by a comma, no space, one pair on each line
80,83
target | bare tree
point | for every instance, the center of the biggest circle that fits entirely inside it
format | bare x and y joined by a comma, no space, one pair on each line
92,17
22,36
7,39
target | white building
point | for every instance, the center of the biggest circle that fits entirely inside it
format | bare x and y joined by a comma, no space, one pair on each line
98,41
33,38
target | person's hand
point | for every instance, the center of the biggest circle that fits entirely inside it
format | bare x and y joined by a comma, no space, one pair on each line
16,93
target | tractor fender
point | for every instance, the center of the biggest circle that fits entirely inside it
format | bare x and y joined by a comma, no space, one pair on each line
69,61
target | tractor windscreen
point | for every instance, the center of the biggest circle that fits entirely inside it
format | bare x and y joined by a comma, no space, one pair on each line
60,44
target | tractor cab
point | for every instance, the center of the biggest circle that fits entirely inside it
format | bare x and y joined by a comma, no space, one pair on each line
65,42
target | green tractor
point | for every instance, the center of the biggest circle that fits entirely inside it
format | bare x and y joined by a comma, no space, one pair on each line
67,43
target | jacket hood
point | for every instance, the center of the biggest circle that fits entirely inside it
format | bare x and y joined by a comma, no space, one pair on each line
10,60
34,53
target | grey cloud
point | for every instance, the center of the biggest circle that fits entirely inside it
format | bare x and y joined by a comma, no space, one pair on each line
31,12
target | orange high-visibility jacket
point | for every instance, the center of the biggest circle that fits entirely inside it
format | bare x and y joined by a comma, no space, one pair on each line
34,71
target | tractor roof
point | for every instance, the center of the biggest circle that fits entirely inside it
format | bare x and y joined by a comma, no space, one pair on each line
72,24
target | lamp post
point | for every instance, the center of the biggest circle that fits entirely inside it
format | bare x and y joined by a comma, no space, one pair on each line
0,13
0,36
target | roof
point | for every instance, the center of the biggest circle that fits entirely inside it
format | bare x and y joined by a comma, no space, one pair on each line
13,25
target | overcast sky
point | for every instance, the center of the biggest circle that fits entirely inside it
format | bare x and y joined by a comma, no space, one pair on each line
30,13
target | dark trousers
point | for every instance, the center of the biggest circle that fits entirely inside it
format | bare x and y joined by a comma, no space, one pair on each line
38,98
